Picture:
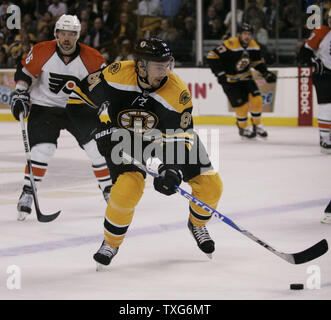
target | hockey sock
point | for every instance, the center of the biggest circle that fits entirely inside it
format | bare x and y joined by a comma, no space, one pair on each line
324,121
99,165
256,108
102,174
125,195
241,115
40,155
207,188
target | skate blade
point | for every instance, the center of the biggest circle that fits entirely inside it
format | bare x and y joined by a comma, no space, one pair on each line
21,215
325,151
209,255
326,220
100,267
248,139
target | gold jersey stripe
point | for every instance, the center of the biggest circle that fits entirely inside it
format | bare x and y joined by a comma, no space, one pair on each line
84,97
179,135
212,55
75,101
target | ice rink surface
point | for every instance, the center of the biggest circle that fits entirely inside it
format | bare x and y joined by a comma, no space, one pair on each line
276,188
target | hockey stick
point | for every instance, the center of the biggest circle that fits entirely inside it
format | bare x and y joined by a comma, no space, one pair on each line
295,258
41,217
279,77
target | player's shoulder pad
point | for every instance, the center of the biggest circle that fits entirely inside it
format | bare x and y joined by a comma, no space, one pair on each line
321,31
232,43
216,52
316,37
92,58
121,73
38,56
253,45
174,94
45,46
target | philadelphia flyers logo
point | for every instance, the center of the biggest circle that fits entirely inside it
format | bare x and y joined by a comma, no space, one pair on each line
58,82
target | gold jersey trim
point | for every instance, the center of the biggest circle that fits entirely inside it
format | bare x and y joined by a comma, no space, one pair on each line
234,44
82,96
173,95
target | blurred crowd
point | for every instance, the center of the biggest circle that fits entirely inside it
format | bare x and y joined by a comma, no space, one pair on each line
113,26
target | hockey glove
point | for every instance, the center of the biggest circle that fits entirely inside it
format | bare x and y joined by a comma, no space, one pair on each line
269,77
102,136
167,179
318,66
20,102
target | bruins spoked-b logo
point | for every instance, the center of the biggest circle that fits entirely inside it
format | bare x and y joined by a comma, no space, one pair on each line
128,119
184,97
243,63
58,82
114,67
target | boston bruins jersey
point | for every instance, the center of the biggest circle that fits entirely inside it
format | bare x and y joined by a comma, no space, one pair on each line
116,88
234,61
55,75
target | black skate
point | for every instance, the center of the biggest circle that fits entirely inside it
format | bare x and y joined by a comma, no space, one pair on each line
246,133
24,203
259,131
202,237
106,193
325,145
327,214
104,255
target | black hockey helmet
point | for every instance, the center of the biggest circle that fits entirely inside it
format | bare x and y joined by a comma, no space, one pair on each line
245,27
153,49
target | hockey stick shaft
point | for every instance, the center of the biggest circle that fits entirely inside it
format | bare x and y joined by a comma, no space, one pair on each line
41,217
279,77
296,258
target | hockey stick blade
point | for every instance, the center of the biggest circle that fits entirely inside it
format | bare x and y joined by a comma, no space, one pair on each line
311,253
40,216
295,258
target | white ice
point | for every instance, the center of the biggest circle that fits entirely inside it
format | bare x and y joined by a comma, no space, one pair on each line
277,189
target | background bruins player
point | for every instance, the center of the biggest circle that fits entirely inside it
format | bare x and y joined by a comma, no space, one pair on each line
146,91
231,62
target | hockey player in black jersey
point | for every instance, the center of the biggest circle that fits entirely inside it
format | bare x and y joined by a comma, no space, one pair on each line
147,95
231,62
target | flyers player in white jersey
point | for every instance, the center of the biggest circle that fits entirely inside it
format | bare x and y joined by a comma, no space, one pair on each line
45,80
316,52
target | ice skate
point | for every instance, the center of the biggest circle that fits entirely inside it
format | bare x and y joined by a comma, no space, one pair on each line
24,203
327,214
202,237
259,131
325,145
106,193
104,255
246,133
